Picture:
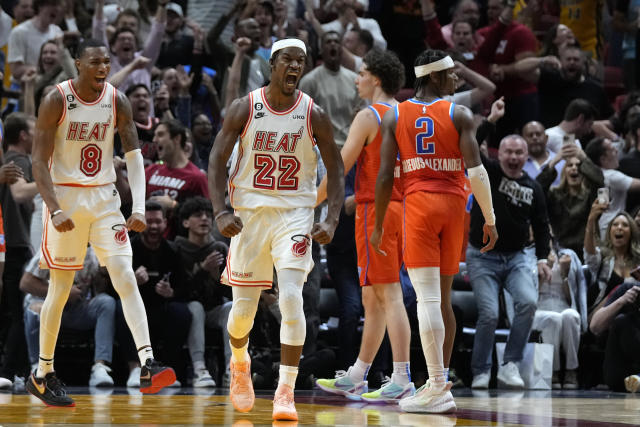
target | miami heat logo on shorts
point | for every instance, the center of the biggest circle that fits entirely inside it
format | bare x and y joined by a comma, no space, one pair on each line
121,233
300,244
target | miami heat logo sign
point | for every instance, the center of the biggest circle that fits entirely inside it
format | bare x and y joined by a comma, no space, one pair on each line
121,233
300,244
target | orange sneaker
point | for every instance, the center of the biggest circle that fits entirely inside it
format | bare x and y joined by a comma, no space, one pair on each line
241,388
284,407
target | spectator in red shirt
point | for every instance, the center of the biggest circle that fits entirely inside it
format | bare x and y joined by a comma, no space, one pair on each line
506,43
175,178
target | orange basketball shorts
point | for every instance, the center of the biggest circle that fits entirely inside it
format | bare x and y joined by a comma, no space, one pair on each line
433,230
374,268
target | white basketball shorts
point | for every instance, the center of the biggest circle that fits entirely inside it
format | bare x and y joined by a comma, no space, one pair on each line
95,212
270,237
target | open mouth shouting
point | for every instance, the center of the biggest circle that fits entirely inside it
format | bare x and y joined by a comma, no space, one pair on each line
291,79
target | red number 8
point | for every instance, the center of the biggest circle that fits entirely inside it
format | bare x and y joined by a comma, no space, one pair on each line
90,159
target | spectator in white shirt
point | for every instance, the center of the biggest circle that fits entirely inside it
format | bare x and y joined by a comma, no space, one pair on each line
347,19
604,153
26,39
578,119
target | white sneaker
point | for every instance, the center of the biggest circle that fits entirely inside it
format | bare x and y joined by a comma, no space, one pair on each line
430,398
481,380
509,376
100,376
5,383
134,378
203,379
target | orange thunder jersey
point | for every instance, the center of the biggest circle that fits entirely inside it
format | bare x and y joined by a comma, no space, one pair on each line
428,141
368,164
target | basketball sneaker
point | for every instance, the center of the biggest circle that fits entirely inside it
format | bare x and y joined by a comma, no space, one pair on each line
430,398
154,377
284,407
390,392
632,383
343,385
49,389
241,388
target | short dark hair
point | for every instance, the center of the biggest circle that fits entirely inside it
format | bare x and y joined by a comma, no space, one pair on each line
151,205
13,125
595,149
133,88
120,31
385,65
460,21
37,4
427,57
128,12
87,44
194,205
327,33
365,37
577,107
175,127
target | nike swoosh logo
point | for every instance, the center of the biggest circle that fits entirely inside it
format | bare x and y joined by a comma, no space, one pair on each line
39,387
146,377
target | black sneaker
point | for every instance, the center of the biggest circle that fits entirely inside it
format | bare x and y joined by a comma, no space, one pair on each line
154,377
49,389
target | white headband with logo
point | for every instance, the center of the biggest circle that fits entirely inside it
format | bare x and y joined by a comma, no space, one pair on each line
284,43
442,64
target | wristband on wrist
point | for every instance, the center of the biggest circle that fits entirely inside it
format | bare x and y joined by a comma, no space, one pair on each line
221,214
59,211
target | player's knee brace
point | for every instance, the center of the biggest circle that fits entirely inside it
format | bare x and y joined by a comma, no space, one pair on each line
293,328
243,311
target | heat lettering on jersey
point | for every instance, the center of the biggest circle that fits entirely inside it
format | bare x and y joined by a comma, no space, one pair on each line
266,141
79,131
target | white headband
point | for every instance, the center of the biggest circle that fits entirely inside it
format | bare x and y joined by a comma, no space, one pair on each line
284,43
442,64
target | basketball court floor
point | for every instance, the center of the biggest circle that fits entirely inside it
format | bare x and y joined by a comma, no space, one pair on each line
212,407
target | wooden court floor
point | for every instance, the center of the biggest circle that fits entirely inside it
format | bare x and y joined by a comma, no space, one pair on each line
197,407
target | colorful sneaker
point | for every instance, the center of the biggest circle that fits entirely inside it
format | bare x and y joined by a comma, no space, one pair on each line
284,407
154,377
632,383
241,388
343,385
430,398
390,392
49,389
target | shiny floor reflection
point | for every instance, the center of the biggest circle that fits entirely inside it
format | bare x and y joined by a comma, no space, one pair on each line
212,407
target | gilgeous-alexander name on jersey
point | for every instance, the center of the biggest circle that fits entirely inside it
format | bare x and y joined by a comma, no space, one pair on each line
276,163
83,152
429,146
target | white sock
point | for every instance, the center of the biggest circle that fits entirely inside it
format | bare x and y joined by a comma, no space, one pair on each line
145,352
240,354
45,365
288,375
199,365
359,371
401,373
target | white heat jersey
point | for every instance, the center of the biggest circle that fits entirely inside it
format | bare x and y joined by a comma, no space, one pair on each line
83,152
276,165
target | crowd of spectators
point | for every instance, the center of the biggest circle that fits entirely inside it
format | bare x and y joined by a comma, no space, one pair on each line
553,87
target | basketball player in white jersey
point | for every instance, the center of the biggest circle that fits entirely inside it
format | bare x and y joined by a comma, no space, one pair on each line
73,168
272,189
